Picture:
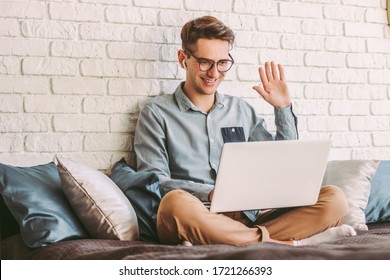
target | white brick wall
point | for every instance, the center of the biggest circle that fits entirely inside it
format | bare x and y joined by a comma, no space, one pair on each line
73,74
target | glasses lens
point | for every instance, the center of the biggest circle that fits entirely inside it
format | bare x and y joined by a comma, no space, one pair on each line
224,65
205,65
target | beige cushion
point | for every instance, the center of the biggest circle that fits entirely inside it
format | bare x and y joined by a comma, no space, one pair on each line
101,206
354,178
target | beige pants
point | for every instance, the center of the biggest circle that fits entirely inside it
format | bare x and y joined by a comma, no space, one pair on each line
182,217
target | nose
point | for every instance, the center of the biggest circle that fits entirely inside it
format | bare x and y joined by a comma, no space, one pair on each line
213,72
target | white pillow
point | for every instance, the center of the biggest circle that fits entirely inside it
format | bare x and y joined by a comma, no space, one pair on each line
354,178
101,206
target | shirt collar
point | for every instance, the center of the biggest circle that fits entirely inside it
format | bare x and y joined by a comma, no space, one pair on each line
185,103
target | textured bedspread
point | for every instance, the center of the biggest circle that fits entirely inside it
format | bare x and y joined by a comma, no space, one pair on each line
372,244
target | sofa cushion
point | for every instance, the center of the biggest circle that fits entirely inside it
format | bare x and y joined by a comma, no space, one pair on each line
378,208
35,198
143,191
354,178
100,205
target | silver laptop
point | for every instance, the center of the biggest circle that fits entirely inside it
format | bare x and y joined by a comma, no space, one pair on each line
269,174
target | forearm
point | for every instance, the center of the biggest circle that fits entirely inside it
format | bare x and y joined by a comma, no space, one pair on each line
286,124
201,191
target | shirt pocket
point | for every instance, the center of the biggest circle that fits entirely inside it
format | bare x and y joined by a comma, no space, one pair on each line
233,134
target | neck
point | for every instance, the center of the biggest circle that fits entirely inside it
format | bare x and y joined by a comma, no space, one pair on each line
203,101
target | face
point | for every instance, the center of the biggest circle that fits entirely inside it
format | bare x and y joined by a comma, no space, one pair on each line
199,82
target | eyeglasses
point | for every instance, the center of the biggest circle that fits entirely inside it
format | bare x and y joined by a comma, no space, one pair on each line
206,64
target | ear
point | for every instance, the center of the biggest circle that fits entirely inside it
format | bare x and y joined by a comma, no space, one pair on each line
182,59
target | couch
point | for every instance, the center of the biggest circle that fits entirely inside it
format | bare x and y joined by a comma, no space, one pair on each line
67,210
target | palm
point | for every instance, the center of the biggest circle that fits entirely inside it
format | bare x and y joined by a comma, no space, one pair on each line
274,90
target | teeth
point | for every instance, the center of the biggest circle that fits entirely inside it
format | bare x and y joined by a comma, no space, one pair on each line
209,81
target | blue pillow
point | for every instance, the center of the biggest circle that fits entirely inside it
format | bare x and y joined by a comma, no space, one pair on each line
35,198
143,191
378,208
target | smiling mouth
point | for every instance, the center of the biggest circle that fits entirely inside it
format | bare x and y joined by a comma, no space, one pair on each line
209,80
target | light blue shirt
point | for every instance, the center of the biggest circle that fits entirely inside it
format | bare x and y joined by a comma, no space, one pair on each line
183,144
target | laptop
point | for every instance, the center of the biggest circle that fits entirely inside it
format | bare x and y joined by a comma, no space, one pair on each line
269,174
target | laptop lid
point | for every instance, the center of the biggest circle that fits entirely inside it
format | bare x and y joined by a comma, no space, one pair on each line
269,174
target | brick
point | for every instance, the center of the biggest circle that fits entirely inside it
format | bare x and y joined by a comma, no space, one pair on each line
371,153
21,47
327,124
379,76
77,49
11,142
123,123
380,107
107,2
25,159
49,66
247,72
80,123
381,139
284,57
302,10
133,51
161,4
24,84
378,45
350,140
366,61
279,24
79,85
169,52
376,16
325,59
52,104
29,9
311,107
159,70
58,142
131,15
370,123
223,6
156,34
176,18
246,39
239,88
239,21
366,30
325,91
344,13
366,92
76,12
9,65
48,29
305,74
362,3
107,68
301,42
168,86
10,103
110,105
349,108
344,44
347,76
9,27
11,123
107,142
36,123
255,7
105,32
322,27
134,87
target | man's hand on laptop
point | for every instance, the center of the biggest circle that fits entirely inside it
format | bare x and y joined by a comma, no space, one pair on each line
274,90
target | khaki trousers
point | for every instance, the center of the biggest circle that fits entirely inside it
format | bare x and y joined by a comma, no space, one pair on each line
182,217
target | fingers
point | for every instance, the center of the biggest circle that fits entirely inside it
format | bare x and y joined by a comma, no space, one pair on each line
281,72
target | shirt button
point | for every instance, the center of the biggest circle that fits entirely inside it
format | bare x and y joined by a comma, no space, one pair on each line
213,165
212,140
233,130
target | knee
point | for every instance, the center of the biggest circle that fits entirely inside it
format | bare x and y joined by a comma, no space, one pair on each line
175,205
334,202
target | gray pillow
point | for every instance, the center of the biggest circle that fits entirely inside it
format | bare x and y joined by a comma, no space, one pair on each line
35,198
353,177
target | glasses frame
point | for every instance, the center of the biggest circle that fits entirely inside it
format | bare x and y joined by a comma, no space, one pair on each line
213,63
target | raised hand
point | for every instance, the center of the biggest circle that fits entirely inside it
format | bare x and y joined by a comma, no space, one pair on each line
274,90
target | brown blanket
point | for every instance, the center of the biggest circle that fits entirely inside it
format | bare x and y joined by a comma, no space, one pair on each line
372,244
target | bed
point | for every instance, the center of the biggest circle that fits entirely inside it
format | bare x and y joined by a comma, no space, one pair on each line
366,184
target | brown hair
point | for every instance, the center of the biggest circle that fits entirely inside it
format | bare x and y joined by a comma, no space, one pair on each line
206,27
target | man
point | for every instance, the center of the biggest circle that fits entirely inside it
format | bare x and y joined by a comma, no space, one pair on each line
180,137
